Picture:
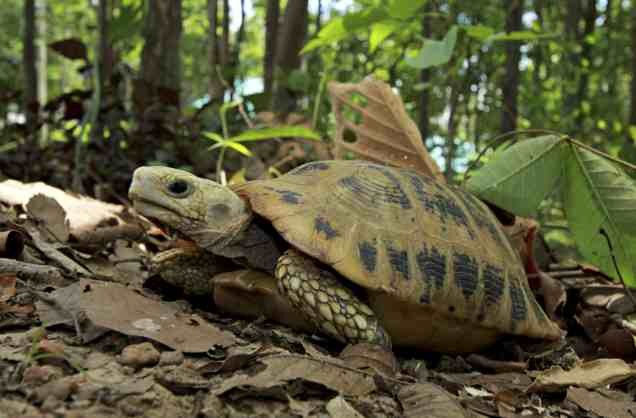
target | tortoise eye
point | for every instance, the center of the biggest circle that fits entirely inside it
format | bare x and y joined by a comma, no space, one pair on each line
179,188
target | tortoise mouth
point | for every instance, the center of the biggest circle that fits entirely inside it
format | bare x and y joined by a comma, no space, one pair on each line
157,214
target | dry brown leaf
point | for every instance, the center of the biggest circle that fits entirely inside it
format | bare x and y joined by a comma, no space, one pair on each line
588,375
429,400
338,407
377,128
371,356
50,217
7,288
116,307
600,404
111,306
83,213
282,368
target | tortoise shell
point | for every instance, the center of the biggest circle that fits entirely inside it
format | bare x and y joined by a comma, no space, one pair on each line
437,267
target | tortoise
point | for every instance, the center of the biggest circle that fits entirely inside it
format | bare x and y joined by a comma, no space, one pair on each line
366,252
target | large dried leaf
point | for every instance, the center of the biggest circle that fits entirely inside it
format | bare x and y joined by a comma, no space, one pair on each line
282,368
371,123
82,213
429,400
590,375
116,307
601,404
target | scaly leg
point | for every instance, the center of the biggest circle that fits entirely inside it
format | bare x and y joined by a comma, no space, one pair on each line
326,302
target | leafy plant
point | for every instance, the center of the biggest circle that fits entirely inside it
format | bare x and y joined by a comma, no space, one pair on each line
225,141
598,197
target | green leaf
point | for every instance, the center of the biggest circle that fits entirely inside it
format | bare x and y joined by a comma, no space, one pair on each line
276,132
238,147
520,177
404,9
379,32
600,196
435,53
479,32
214,136
334,31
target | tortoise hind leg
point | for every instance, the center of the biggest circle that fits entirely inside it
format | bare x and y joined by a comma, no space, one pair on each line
326,302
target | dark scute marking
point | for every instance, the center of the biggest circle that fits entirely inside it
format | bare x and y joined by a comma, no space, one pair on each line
481,218
394,194
323,225
309,167
399,261
435,200
519,310
466,273
493,284
432,265
368,255
372,193
289,196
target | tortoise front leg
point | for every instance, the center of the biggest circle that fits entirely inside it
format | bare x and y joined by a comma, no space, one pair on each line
326,302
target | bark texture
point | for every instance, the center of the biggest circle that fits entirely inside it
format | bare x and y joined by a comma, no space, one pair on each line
290,41
510,84
30,94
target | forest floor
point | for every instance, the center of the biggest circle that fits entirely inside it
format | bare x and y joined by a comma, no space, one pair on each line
87,330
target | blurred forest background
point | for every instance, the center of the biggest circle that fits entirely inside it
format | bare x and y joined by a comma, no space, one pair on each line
89,89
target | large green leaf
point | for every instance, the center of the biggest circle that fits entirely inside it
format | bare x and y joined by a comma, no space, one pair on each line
380,31
404,9
599,196
520,177
275,132
434,52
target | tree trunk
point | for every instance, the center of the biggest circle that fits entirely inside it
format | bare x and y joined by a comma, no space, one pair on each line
225,47
589,17
216,89
272,14
236,51
425,77
103,66
156,91
30,95
632,89
510,84
160,60
290,42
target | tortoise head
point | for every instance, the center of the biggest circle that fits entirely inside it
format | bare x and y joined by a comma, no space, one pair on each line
211,215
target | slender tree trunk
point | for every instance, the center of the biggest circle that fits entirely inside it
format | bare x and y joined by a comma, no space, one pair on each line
156,92
160,60
568,83
225,49
632,89
510,85
272,14
30,95
290,42
103,65
216,89
236,51
589,16
425,77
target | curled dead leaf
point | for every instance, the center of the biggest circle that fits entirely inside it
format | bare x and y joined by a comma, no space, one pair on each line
372,123
588,375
